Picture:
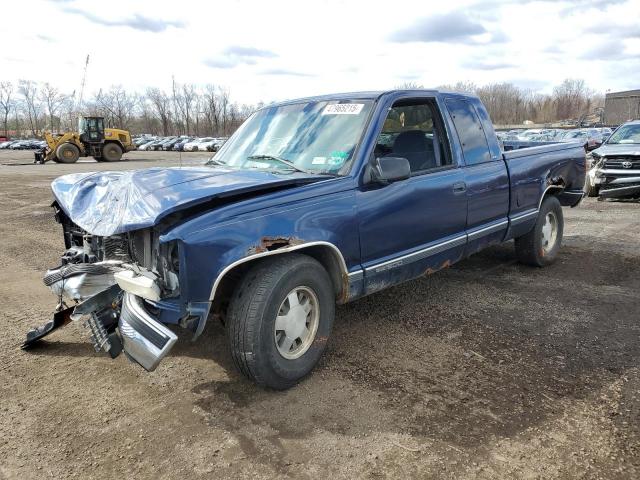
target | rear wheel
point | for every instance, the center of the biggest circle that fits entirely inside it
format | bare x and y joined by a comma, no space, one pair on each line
540,246
279,319
67,153
111,152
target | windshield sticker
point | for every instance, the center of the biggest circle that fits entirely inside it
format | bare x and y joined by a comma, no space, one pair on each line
319,160
260,164
337,157
343,109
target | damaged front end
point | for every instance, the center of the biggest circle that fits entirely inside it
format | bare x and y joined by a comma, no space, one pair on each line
115,283
617,176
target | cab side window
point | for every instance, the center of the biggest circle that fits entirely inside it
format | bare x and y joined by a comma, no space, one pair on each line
413,131
470,132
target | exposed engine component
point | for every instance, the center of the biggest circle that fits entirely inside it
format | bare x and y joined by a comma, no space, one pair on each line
96,272
139,251
102,312
99,335
79,281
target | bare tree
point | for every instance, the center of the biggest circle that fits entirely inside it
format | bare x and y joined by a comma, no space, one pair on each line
224,101
188,98
52,100
409,86
7,103
161,104
178,109
29,91
117,106
68,113
211,106
571,98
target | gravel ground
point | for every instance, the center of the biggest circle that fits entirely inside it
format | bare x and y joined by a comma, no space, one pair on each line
486,370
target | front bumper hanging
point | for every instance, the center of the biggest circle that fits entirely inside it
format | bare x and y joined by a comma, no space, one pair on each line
143,338
117,318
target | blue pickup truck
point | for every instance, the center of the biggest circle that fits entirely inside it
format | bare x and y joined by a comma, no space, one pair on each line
311,203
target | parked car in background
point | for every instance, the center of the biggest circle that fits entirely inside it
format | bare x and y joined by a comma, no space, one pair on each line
142,140
212,145
29,144
615,172
605,132
148,145
196,144
179,146
160,143
590,137
527,134
170,144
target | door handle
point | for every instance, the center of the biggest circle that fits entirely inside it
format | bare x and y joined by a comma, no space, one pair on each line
459,187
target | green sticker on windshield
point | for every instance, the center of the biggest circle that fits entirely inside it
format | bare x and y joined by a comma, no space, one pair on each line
337,157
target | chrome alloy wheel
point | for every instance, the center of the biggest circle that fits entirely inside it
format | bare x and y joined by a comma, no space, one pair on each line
297,322
549,232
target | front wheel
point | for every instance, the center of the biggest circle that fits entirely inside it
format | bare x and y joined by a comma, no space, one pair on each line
67,153
279,319
540,246
111,152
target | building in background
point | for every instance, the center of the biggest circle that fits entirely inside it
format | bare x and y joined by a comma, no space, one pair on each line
620,107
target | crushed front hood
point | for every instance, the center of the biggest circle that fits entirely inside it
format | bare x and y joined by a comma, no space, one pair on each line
107,203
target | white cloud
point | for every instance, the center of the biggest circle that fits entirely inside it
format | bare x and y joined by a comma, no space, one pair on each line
275,50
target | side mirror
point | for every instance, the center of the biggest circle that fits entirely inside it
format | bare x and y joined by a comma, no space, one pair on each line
390,169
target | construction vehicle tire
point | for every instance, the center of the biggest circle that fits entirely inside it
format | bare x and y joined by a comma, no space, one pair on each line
111,152
67,153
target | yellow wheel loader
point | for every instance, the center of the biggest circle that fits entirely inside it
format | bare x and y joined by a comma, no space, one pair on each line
91,140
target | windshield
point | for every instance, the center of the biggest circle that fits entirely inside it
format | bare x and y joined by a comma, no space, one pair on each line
626,134
315,137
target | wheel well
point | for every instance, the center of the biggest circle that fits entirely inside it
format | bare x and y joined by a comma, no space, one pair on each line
554,187
117,142
329,258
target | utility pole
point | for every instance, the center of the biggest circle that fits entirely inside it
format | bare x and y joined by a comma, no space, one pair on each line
84,79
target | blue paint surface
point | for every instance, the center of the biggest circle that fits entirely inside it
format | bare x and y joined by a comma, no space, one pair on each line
386,234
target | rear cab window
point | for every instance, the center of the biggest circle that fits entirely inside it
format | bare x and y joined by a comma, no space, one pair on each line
473,140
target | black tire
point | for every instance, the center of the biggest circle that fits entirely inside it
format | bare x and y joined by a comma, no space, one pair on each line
251,319
67,153
593,190
111,152
530,249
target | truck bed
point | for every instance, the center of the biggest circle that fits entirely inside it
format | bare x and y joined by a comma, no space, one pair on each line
562,164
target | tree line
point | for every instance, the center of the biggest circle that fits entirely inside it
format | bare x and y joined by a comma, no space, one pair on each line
30,107
509,104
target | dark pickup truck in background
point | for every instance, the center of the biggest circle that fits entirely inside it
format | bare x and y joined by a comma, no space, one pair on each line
310,203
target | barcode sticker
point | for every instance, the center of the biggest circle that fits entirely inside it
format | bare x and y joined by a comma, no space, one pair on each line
343,109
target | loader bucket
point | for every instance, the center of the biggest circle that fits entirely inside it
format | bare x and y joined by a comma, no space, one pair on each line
39,156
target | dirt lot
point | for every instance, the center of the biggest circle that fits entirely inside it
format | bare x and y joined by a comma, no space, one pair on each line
486,370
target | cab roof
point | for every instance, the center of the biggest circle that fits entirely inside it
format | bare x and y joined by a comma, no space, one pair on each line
367,95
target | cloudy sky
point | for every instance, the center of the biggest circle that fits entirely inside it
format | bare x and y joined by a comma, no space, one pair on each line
272,50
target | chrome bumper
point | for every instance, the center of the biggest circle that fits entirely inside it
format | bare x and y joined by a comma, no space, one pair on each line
143,338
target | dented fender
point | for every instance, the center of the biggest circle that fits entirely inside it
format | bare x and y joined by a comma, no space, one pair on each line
214,243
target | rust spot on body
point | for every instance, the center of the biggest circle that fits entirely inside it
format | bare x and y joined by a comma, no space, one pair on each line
268,244
445,264
344,292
